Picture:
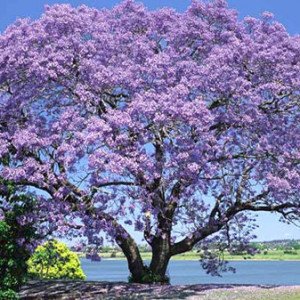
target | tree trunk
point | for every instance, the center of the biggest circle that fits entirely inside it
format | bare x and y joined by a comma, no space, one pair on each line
136,267
156,272
160,258
133,256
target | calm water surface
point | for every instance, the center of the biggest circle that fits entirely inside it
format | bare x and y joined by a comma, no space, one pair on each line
190,272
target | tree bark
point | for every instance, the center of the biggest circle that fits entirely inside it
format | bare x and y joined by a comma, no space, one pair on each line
161,255
133,256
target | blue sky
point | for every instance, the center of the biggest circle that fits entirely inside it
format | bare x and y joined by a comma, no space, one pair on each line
287,12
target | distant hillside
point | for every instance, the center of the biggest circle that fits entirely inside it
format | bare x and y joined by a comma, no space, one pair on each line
278,244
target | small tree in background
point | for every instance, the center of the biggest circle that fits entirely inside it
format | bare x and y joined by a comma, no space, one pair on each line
54,260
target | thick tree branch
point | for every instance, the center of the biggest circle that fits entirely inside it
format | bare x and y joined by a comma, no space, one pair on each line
213,227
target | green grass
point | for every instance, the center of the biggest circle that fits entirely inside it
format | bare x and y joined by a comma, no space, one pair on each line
193,255
271,255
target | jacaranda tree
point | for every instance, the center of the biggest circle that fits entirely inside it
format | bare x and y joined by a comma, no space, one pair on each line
178,124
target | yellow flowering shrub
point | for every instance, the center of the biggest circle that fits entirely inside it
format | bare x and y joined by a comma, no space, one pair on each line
54,260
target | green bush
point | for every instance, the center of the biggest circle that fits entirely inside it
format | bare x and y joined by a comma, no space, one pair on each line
53,260
290,251
15,242
8,295
295,245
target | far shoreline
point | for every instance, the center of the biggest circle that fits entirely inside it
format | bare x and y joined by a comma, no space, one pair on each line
266,255
195,259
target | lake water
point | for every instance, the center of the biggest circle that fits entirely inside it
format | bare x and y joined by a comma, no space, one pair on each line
190,272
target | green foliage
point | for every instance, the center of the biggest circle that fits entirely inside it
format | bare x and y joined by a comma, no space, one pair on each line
149,277
15,240
113,254
8,295
106,249
144,248
295,245
53,260
290,251
277,245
